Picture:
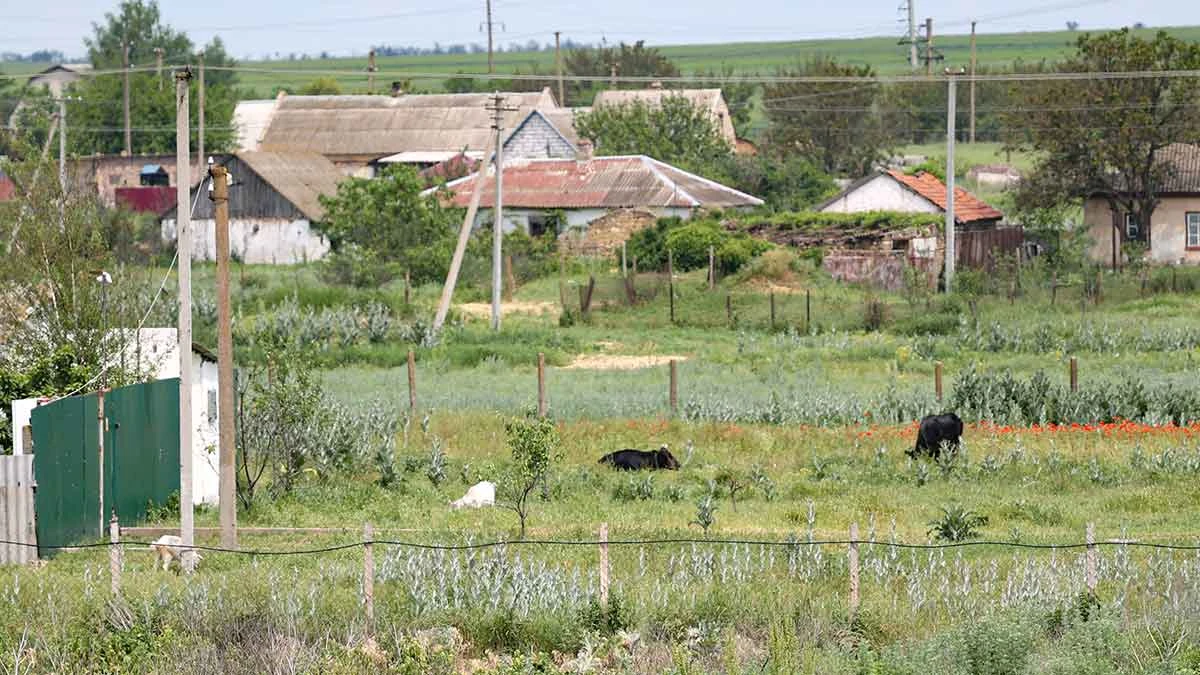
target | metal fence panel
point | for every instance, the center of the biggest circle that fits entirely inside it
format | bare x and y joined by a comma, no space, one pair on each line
141,447
16,510
67,510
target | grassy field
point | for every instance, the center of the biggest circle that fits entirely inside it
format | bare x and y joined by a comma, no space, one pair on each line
795,433
882,53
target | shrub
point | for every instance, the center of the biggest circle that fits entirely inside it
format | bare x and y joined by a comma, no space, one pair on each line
956,524
689,243
875,313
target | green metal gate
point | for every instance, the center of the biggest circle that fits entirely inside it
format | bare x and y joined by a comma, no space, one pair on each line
141,459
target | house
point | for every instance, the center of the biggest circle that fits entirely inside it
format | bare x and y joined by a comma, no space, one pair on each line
353,131
106,174
273,202
711,100
537,137
58,77
921,193
154,354
251,119
1174,232
588,189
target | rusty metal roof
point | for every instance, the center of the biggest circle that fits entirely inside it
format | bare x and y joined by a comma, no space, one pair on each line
967,207
301,177
375,126
603,182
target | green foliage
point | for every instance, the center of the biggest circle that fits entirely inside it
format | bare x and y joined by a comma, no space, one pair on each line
57,373
689,242
956,524
875,313
672,131
934,168
834,126
534,443
706,512
787,183
606,619
395,227
816,221
635,60
322,86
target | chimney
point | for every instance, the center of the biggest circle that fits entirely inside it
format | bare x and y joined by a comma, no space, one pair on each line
397,89
584,152
656,85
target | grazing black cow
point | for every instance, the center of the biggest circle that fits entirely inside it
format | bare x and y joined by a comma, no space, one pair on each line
935,430
635,460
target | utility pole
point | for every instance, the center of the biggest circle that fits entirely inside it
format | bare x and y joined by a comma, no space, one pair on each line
101,422
464,234
125,71
498,111
200,115
612,69
219,178
912,35
158,60
371,72
951,95
183,241
928,46
562,97
972,135
62,146
491,58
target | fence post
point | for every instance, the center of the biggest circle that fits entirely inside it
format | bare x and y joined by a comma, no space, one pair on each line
412,382
807,311
510,281
937,379
623,268
673,392
712,269
541,374
771,295
1091,558
1053,288
604,564
116,557
671,282
1074,374
853,569
369,578
729,309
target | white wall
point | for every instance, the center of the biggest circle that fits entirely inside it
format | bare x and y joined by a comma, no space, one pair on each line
22,410
882,193
256,240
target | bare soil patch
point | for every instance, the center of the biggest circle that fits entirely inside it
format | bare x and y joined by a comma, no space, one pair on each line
619,362
483,310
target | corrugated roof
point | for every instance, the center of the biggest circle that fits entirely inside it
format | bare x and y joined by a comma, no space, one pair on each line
603,182
1184,161
300,177
967,207
374,126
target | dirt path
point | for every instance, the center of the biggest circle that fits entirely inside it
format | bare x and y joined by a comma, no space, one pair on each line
617,362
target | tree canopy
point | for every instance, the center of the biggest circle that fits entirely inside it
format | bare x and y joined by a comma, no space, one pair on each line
673,132
636,60
1105,137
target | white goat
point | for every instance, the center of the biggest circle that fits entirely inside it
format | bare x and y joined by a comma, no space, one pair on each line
169,548
481,494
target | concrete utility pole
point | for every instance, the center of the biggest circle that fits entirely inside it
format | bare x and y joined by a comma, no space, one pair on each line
912,34
183,240
498,111
158,61
200,116
952,93
491,58
125,70
562,97
464,234
226,451
62,146
101,422
972,136
371,72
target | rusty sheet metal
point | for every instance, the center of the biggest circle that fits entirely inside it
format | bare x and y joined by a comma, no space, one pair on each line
17,522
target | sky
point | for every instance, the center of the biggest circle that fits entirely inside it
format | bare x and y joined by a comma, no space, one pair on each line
254,28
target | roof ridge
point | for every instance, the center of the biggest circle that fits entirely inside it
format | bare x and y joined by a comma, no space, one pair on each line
649,163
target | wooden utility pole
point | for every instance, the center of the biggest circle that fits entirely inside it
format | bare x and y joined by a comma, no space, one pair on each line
371,72
928,46
200,116
226,450
183,239
125,97
491,57
972,134
158,63
562,97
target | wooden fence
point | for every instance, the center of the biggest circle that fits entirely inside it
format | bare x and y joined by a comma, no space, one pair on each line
16,510
976,249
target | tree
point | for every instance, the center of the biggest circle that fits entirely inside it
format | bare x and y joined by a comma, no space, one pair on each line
328,86
1109,141
636,60
738,94
788,183
388,219
672,132
836,125
534,445
97,117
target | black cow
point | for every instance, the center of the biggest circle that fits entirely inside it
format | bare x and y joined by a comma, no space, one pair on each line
635,460
935,430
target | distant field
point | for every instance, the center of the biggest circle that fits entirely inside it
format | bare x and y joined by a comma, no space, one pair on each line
882,53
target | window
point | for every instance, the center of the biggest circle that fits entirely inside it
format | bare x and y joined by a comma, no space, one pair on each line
1133,230
1193,230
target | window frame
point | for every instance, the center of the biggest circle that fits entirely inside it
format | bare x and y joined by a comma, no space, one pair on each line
1136,227
1189,218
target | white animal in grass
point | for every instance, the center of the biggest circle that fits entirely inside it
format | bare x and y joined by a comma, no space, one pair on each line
169,549
480,494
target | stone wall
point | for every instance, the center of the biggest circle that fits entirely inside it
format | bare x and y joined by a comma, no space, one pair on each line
604,235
